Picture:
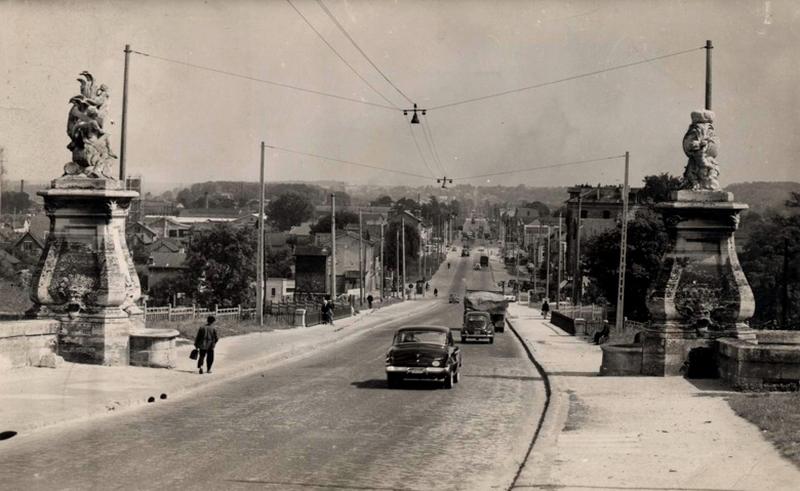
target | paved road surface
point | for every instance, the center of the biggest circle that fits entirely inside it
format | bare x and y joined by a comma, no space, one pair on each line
325,422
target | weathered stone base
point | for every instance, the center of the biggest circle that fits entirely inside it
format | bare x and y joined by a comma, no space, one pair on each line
95,340
153,348
28,343
672,352
621,359
773,362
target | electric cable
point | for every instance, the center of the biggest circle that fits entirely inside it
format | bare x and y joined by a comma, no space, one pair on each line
342,161
347,35
264,81
319,34
566,79
531,169
419,149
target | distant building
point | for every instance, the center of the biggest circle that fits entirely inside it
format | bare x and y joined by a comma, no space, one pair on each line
600,210
279,289
163,266
312,270
134,183
347,257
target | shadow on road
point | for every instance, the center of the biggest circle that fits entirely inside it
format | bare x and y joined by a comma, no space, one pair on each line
405,385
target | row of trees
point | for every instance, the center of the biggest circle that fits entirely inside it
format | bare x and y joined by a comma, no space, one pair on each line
769,258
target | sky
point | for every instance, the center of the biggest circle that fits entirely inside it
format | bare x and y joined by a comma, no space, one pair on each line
189,125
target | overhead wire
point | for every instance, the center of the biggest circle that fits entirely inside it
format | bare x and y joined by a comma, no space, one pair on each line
430,149
531,169
264,81
565,79
342,161
347,35
329,45
419,149
427,128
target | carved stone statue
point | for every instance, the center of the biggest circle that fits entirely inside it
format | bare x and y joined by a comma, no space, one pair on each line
700,144
91,150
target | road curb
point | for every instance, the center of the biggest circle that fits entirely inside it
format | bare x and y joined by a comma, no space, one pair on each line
545,424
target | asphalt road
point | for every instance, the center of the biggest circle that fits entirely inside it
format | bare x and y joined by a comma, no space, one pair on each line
328,421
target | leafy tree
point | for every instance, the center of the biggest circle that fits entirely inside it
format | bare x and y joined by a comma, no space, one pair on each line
323,225
391,245
15,202
163,292
342,198
647,243
543,209
657,188
794,201
771,263
382,201
288,210
279,263
405,204
221,266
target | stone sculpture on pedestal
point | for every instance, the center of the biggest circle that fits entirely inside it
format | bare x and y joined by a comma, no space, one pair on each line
85,276
700,292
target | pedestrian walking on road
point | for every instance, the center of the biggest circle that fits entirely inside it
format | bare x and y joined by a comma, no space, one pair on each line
370,299
327,312
205,341
545,308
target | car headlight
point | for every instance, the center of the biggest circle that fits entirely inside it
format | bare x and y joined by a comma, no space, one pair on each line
388,358
437,362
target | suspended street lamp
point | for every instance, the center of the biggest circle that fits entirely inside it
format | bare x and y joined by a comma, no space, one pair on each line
414,117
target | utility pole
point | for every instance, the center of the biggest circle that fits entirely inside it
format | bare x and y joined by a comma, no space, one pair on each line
403,246
361,269
709,47
397,263
623,252
560,256
123,132
785,286
333,247
2,171
383,268
576,267
547,276
260,261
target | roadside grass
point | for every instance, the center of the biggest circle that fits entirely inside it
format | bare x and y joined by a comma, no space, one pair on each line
778,417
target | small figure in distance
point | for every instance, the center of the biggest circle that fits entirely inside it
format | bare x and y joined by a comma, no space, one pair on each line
545,308
435,292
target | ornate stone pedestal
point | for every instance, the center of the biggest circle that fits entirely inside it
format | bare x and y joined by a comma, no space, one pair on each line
86,277
700,293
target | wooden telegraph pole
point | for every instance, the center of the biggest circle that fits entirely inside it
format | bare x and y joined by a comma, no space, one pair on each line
260,259
383,267
123,132
397,280
333,247
360,260
709,47
547,273
403,247
558,286
623,250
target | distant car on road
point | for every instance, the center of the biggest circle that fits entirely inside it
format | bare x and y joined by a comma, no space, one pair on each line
510,297
477,325
477,267
453,298
423,352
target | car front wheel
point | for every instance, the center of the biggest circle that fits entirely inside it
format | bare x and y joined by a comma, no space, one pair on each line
448,380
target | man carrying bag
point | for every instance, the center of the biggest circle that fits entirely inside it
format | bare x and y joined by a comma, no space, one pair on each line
204,342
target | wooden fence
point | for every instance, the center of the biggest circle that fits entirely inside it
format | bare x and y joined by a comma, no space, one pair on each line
279,311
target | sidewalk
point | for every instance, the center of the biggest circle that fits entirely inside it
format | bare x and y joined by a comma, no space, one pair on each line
32,398
637,432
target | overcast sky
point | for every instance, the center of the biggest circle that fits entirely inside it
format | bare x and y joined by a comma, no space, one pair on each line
187,125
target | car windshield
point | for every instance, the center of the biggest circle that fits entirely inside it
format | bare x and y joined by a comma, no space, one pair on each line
431,337
476,321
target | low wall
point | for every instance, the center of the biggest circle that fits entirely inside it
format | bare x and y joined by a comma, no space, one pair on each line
772,363
28,343
562,322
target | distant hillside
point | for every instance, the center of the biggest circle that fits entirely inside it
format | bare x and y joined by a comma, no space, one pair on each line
762,195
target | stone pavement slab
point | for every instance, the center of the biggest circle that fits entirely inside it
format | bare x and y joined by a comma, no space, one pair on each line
33,398
664,433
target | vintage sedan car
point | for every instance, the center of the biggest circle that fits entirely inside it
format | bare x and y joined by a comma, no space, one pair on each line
423,352
477,325
453,298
